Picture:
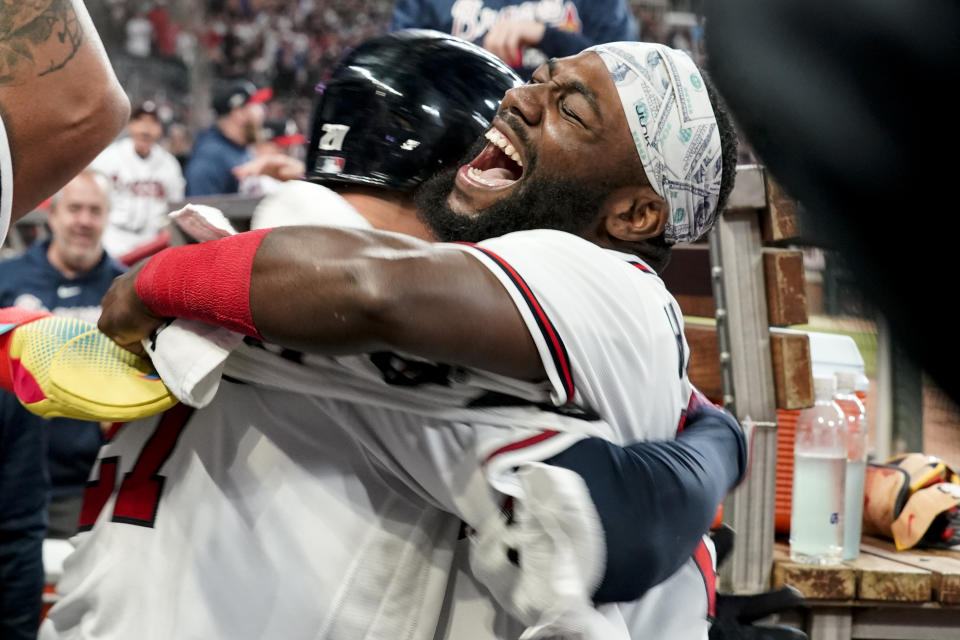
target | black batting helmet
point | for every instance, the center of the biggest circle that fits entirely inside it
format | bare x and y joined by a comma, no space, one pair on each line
401,106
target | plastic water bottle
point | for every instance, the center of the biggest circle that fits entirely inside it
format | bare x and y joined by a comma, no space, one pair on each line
856,418
819,478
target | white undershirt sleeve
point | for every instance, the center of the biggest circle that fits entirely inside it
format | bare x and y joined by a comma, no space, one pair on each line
6,183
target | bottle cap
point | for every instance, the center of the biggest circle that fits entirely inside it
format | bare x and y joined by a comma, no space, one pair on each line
847,381
824,387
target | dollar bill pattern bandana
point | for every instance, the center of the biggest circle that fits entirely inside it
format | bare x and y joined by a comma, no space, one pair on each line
674,129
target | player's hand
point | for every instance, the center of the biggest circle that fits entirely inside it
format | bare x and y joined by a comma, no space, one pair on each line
125,318
277,166
736,616
508,38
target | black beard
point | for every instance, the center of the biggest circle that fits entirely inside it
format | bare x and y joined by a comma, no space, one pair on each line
545,202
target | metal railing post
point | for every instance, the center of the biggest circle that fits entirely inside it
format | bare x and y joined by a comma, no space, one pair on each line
744,340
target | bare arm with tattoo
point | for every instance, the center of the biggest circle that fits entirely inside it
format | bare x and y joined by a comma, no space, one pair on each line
60,101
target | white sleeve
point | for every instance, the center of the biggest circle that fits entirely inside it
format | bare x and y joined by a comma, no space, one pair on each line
103,163
6,183
609,334
300,203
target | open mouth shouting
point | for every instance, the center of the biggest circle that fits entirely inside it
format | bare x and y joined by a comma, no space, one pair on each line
498,166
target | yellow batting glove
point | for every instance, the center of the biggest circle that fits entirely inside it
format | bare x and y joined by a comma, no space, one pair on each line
64,367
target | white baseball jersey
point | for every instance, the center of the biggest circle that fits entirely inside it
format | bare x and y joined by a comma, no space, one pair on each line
336,524
142,189
6,183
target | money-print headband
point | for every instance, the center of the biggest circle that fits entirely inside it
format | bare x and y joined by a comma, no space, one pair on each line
674,130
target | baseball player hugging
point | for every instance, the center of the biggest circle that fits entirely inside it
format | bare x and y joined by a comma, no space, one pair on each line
321,492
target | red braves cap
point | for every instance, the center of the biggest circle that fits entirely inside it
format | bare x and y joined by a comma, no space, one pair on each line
261,96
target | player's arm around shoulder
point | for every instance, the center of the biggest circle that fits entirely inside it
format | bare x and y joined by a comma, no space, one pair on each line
504,306
333,291
341,291
356,291
60,101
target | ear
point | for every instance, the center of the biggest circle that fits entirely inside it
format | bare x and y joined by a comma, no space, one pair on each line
634,213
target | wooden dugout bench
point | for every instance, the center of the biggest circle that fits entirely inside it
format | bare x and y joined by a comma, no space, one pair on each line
882,594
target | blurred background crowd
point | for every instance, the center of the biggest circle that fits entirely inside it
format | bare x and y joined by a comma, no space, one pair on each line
177,53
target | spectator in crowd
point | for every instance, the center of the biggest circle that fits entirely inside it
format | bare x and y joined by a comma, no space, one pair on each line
281,136
226,144
146,178
179,142
280,141
49,459
522,34
139,35
163,30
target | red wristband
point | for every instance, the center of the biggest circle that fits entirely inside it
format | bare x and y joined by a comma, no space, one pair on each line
209,282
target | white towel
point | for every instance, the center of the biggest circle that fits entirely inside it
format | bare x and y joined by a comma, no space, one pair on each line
190,355
557,535
203,222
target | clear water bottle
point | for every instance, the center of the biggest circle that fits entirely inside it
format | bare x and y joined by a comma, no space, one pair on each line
856,419
819,477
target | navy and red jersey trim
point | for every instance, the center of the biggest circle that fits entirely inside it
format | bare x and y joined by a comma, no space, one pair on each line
522,444
704,562
642,267
682,422
113,430
558,352
685,413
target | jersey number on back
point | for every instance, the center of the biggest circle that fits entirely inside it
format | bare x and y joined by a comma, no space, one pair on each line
139,493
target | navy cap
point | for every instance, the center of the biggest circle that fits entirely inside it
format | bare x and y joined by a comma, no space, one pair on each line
283,133
238,94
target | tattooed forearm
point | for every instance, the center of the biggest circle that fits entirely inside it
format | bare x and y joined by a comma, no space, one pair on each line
37,37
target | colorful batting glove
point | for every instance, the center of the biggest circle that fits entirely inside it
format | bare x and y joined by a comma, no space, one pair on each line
65,367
